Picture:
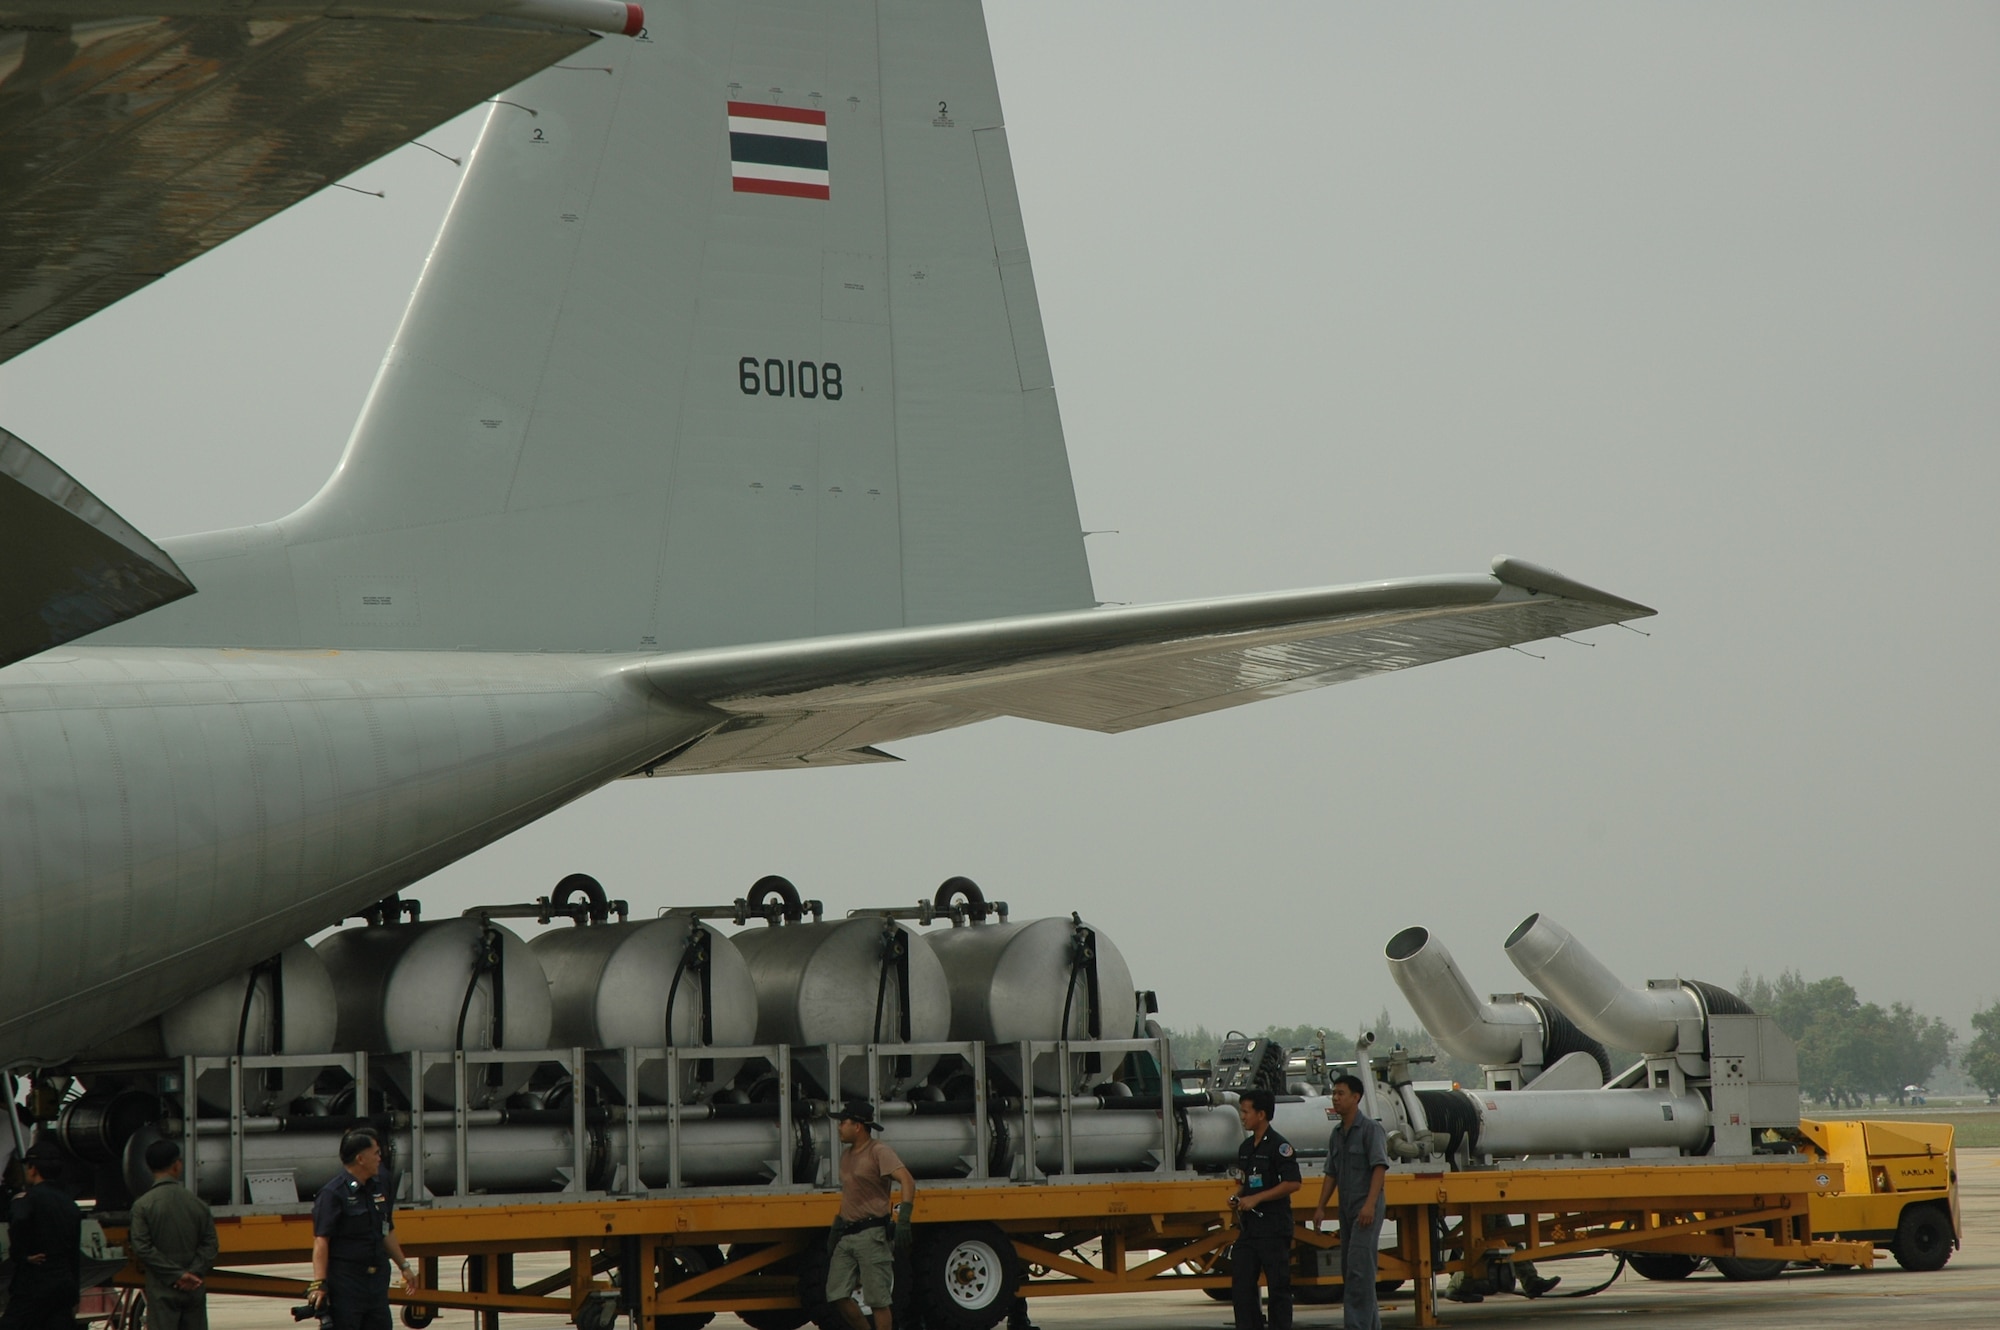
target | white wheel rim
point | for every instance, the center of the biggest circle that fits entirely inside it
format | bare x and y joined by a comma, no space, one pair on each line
972,1275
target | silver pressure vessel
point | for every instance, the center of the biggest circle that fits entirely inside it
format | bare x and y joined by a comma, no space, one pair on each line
609,985
290,1009
849,981
437,986
1016,981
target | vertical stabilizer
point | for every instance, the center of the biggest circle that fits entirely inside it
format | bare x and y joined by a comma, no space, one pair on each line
730,336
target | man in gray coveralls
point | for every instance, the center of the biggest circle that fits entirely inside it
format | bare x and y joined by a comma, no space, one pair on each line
1357,1162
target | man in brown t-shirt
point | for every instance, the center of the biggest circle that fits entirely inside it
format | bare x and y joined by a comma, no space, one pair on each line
863,1255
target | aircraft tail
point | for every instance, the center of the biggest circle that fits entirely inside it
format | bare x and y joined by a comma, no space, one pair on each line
730,336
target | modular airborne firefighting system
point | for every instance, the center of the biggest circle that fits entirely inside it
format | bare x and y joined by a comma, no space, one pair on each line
709,1055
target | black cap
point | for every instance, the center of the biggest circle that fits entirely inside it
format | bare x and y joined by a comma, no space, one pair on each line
858,1110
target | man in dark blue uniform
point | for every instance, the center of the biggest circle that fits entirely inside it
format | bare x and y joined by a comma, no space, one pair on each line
354,1239
43,1230
1268,1171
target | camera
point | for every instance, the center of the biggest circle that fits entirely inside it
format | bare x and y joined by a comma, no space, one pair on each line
322,1313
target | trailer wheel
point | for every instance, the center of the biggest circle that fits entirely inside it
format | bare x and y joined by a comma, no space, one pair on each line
1745,1269
417,1315
809,1265
676,1264
1923,1238
1662,1265
1387,1287
965,1277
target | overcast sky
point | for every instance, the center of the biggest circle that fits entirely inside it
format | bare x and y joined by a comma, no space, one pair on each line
1696,303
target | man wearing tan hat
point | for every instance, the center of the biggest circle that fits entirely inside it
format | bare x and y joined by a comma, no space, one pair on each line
864,1257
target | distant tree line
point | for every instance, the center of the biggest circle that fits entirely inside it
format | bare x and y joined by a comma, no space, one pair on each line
1850,1052
1981,1059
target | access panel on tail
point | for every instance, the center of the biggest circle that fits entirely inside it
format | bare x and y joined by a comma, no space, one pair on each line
731,336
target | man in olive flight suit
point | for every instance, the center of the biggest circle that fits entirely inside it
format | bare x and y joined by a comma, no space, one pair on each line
173,1237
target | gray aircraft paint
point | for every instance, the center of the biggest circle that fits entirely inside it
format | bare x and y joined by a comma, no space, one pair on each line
558,453
561,528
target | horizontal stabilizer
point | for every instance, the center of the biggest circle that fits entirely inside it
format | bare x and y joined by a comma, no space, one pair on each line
1108,669
68,564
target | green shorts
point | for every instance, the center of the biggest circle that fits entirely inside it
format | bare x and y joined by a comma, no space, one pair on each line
867,1260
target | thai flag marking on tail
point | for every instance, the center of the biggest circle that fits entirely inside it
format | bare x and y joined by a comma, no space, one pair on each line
778,150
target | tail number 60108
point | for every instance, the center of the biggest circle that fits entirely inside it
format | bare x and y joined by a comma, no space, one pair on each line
789,378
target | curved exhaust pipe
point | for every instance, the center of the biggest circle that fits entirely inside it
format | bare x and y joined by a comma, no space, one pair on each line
1464,1024
1643,1020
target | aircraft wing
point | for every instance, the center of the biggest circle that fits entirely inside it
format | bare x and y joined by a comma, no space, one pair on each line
68,564
136,135
831,700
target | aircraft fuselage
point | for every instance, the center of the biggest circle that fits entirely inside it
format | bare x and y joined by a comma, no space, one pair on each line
172,814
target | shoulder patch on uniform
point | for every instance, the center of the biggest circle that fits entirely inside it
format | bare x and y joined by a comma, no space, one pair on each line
1286,1149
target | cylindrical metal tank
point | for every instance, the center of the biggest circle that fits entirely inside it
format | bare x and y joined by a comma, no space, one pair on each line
1464,1024
1644,1020
609,986
850,981
438,986
1015,981
285,1005
498,1159
1573,1122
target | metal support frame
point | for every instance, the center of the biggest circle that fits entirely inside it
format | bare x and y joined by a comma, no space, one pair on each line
1756,1210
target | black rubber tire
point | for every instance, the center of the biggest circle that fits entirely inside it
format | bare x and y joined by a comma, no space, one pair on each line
1220,1294
776,1318
1923,1237
1745,1270
1662,1265
1306,1295
965,1276
416,1315
679,1263
1385,1288
781,1318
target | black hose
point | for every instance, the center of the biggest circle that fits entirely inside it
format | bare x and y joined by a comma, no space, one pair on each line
773,885
486,961
1561,1037
583,884
1451,1112
687,949
976,908
1719,1001
1083,953
243,1020
1616,1271
1715,1001
882,980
